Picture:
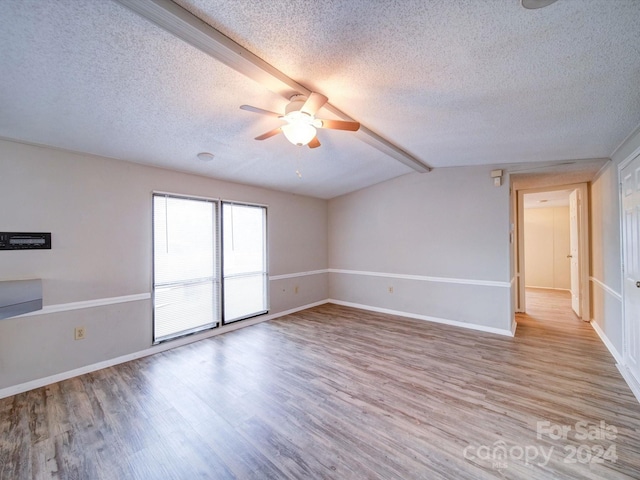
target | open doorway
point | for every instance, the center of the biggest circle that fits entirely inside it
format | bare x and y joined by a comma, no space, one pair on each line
547,257
552,245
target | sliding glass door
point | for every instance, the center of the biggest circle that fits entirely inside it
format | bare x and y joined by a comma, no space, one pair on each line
187,262
244,260
185,266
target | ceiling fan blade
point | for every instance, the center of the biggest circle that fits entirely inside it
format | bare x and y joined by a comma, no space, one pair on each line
340,125
314,103
314,143
249,108
269,134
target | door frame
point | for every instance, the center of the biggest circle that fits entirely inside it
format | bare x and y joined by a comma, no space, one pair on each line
583,240
575,200
625,339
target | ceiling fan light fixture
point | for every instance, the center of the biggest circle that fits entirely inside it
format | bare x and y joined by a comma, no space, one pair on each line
299,133
301,122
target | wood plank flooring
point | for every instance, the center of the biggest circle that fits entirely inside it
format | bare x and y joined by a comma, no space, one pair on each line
334,392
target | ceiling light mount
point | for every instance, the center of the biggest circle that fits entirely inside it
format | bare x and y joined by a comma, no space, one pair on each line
296,102
205,156
535,4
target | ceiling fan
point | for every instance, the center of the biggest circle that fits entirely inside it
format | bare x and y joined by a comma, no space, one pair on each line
301,123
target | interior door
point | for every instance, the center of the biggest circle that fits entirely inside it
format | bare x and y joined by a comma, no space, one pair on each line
630,176
574,249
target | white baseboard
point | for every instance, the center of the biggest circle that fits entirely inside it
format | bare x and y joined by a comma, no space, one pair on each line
41,382
454,323
548,288
607,342
626,374
631,380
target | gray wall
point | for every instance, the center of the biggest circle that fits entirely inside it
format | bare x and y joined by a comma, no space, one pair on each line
606,259
99,213
440,239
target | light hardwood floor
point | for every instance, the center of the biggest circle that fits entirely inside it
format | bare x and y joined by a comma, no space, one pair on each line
334,392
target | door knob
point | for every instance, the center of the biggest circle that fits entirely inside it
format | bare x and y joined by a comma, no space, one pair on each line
638,284
569,256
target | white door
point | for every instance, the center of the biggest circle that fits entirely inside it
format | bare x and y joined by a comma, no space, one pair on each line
630,176
574,249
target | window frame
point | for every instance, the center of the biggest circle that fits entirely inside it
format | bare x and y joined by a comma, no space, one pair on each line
265,247
218,256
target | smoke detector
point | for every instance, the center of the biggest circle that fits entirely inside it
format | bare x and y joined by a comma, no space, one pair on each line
535,4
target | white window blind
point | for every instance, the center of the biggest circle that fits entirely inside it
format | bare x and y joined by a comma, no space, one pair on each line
244,231
186,282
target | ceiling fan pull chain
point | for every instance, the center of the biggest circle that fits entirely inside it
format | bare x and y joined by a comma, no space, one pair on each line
299,163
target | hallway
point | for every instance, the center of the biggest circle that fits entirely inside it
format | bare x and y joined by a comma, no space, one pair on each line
551,307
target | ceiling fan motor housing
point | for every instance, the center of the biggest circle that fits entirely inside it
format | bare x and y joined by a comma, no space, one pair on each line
295,104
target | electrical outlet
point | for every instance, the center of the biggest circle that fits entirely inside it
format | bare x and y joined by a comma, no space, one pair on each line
295,289
80,333
390,289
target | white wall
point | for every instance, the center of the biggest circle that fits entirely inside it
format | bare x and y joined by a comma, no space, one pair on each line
606,259
546,246
99,213
440,239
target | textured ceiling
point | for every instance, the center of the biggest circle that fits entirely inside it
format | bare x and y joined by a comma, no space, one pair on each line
558,174
452,82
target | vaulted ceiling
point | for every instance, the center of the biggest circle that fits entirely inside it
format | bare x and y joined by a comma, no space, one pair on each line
451,82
